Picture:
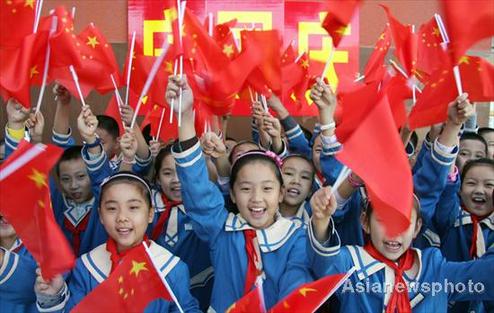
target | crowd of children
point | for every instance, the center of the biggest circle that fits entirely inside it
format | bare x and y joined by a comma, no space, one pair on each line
221,216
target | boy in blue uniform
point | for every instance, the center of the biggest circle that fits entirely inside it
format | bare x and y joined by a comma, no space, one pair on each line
255,245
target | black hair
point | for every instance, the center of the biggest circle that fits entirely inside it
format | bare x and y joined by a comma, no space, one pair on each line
238,144
307,133
69,154
129,178
303,157
474,136
109,124
164,152
472,163
250,157
146,133
484,130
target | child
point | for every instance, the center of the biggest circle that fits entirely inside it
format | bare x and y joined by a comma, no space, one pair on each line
125,211
298,175
17,272
173,229
488,134
390,276
472,147
277,256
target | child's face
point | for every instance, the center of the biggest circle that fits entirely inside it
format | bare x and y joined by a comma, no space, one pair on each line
489,138
391,248
297,178
316,153
476,190
125,214
469,150
257,194
110,144
168,179
74,180
6,229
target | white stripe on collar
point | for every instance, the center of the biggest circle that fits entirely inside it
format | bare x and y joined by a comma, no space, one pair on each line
271,238
76,212
465,218
98,262
17,243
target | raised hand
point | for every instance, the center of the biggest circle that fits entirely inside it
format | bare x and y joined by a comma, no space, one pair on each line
87,124
16,114
128,145
460,110
323,96
127,114
172,93
212,145
48,287
62,94
271,126
36,124
154,148
323,204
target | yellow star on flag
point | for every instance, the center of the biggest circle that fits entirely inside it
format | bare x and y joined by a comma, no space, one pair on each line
341,30
33,71
228,50
137,267
144,99
169,67
38,178
29,3
464,59
435,32
92,41
305,63
303,291
120,279
382,37
286,305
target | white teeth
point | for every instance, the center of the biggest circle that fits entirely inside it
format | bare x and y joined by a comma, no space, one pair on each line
257,210
393,244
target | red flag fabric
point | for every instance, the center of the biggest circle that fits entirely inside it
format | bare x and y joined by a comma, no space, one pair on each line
375,68
467,22
405,41
430,53
310,296
132,285
113,110
16,21
369,126
340,13
397,91
223,36
169,131
25,173
477,77
251,302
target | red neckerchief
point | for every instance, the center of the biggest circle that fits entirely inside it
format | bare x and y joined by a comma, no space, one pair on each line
76,231
475,230
399,301
115,257
158,228
252,260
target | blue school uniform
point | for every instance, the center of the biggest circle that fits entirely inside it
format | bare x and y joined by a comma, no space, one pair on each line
179,238
94,267
297,142
17,278
365,290
281,245
330,166
347,219
302,217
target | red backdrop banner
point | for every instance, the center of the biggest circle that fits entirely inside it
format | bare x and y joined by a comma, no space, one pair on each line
298,21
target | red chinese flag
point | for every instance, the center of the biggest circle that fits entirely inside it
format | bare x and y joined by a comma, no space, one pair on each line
430,53
16,21
25,173
340,13
251,302
467,22
397,91
477,77
375,68
113,110
130,288
169,131
223,36
372,128
268,42
310,296
405,42
302,85
23,67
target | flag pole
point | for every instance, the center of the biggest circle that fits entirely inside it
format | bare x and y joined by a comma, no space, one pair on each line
345,171
328,62
53,28
73,12
160,124
444,45
37,15
76,82
163,279
172,104
149,80
210,24
181,15
119,99
129,67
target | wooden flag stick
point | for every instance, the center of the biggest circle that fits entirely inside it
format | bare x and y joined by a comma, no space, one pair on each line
172,104
328,62
149,80
129,67
76,82
53,28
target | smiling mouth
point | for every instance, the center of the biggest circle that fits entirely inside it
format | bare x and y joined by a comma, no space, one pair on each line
124,231
293,192
393,246
478,200
257,212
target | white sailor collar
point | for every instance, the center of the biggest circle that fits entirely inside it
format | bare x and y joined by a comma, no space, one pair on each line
271,238
159,205
98,263
465,218
17,243
76,212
